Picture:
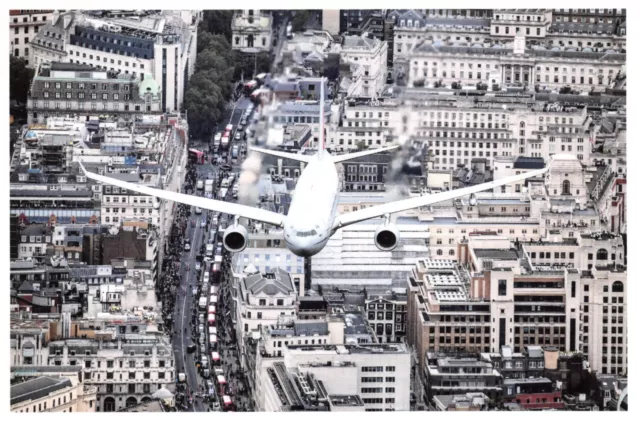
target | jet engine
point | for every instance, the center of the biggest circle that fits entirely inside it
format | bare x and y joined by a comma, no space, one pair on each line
386,237
235,238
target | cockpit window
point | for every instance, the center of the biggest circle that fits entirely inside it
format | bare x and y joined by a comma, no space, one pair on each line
306,233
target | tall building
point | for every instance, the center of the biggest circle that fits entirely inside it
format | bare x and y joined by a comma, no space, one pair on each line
162,45
23,27
370,53
62,89
376,373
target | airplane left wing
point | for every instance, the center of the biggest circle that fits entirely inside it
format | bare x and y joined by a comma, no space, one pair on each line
415,202
242,211
354,155
281,154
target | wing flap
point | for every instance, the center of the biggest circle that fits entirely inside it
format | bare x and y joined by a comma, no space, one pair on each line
243,211
416,202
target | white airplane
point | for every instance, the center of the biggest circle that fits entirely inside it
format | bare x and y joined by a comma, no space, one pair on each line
313,216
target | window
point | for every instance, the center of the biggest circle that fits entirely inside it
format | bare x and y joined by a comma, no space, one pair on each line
502,287
566,187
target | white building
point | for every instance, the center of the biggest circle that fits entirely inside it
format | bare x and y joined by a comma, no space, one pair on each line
161,45
580,70
371,54
129,363
262,299
53,393
378,373
23,27
604,318
252,31
34,241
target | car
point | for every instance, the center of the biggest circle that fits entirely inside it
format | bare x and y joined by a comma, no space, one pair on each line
229,128
197,265
238,136
203,224
225,167
187,247
191,348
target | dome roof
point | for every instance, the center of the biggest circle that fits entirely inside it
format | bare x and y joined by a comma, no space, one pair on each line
163,393
148,85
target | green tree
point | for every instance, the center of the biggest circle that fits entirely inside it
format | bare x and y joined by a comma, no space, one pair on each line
205,103
245,64
20,77
299,21
217,22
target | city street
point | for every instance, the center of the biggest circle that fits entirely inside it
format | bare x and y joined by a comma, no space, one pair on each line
185,362
185,313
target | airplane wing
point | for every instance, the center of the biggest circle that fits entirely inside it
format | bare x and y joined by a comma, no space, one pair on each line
280,154
346,157
242,211
416,202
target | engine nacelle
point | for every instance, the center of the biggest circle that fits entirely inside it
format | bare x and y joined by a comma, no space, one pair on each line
235,238
387,237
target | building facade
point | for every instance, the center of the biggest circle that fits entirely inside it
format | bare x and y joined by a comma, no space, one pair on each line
23,27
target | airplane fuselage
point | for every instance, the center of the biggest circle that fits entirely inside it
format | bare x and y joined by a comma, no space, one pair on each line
309,223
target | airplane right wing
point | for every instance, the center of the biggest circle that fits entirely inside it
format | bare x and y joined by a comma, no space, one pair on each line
242,211
415,202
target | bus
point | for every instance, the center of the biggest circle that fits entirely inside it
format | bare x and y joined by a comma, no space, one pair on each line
196,156
227,404
222,385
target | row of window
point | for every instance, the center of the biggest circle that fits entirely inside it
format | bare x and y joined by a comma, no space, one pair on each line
378,379
104,59
123,199
123,210
377,369
82,95
93,105
368,390
42,406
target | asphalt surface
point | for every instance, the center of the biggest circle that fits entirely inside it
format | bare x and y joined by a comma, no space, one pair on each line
185,314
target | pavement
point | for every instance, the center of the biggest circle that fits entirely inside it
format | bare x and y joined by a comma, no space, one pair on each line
185,311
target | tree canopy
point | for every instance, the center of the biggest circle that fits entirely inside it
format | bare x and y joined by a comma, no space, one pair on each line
211,84
299,21
20,80
217,22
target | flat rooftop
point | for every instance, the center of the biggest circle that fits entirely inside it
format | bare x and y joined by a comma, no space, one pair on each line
497,254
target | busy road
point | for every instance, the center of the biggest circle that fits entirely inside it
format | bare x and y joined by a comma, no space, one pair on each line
183,274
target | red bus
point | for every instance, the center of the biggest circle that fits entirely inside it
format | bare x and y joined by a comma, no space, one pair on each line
196,156
227,404
222,385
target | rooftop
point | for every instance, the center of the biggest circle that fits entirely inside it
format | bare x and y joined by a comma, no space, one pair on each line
37,388
497,254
